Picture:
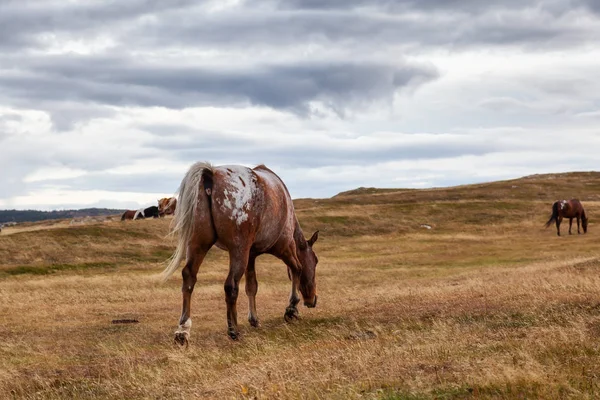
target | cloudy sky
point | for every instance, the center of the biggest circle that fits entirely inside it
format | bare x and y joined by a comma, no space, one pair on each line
107,103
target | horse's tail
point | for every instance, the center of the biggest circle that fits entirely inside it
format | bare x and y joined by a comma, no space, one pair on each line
554,215
123,216
183,222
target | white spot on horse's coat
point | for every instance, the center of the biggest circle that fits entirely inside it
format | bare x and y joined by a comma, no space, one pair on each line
138,212
563,204
239,195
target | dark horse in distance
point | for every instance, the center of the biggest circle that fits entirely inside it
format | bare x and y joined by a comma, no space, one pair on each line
150,212
247,212
568,209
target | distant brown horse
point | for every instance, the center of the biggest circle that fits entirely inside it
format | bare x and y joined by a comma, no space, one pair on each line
129,214
568,209
167,206
247,212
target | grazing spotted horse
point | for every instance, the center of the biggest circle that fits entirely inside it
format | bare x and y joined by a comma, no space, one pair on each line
247,212
568,209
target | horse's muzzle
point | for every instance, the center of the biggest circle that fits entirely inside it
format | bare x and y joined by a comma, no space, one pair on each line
311,305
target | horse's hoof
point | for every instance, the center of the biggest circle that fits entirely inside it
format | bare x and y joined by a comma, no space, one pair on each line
233,335
182,339
254,322
291,314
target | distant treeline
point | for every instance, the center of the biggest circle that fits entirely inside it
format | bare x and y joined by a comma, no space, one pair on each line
35,215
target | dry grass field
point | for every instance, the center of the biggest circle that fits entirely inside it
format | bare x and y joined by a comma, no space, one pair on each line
486,304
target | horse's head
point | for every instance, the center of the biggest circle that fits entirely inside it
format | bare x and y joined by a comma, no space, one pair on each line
309,260
162,205
166,206
584,222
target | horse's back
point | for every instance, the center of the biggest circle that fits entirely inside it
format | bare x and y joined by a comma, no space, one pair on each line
249,203
569,208
577,206
278,218
576,203
151,211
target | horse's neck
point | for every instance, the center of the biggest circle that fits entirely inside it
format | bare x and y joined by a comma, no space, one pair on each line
298,235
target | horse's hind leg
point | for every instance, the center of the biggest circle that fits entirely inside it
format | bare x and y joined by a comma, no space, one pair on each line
251,289
570,224
558,221
197,236
238,261
195,256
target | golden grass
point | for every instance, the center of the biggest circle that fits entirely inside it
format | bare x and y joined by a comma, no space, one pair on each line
487,304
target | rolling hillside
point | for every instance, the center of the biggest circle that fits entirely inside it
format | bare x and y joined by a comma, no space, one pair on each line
35,215
423,294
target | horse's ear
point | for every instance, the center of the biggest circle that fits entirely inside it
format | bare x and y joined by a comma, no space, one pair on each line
313,238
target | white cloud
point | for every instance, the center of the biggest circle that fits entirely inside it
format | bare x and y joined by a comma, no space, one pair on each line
53,173
63,198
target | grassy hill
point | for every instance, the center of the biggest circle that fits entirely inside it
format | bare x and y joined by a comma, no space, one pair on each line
35,215
485,304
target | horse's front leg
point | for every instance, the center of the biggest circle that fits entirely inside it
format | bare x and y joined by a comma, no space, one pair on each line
291,312
570,224
251,289
189,274
238,261
294,270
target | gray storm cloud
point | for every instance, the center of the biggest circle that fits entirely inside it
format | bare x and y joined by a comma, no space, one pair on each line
303,85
